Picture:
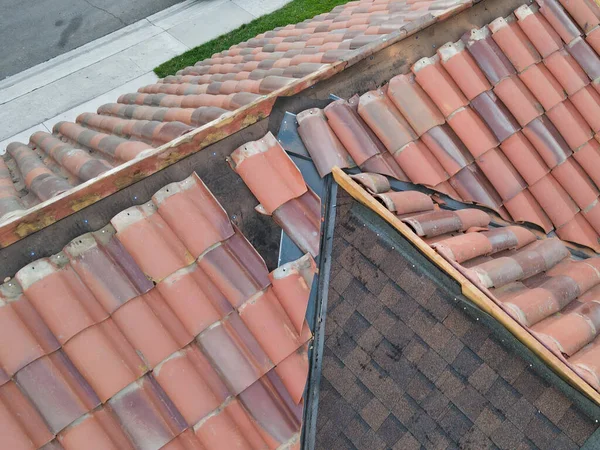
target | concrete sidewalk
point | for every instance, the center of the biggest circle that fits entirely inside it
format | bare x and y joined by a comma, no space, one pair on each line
121,62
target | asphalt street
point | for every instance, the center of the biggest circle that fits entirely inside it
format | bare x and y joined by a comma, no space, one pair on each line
34,31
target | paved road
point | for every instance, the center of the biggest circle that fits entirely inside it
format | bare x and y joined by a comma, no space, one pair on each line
33,31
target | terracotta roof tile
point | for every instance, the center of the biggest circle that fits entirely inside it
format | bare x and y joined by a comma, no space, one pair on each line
559,19
587,102
105,354
514,43
417,161
524,158
495,115
463,69
545,38
293,205
547,140
501,174
525,208
566,70
555,201
439,85
472,130
415,105
319,139
585,56
546,89
518,99
494,64
570,124
380,114
447,148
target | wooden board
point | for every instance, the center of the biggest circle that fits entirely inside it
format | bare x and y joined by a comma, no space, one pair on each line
468,289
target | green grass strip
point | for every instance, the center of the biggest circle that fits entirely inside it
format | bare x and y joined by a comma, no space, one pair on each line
294,12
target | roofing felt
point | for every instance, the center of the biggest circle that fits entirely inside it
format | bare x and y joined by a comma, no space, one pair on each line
137,123
506,117
163,330
406,368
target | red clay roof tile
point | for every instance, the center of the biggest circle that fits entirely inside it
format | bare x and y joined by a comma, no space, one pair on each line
471,129
463,69
545,39
547,140
567,71
320,140
555,201
168,358
495,115
518,99
380,114
587,102
559,19
514,44
439,85
417,161
494,64
448,149
268,171
414,104
501,174
524,158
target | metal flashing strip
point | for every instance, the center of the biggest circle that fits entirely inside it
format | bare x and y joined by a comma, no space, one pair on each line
315,355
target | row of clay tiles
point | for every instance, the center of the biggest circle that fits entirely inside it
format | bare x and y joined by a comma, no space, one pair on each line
538,282
506,117
163,330
51,164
